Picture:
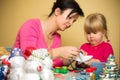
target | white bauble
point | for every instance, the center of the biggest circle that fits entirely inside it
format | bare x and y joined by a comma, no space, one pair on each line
47,73
16,68
32,66
32,70
16,74
31,76
17,62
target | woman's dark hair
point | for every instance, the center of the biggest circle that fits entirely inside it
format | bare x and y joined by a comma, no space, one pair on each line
67,4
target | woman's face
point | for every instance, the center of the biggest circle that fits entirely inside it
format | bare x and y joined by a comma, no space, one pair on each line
63,21
94,38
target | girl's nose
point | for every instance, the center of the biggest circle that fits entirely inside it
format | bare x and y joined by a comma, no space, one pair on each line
91,34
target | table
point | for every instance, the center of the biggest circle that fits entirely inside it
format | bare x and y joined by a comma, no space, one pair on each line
76,76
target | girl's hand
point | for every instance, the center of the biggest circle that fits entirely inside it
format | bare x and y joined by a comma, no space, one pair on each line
67,52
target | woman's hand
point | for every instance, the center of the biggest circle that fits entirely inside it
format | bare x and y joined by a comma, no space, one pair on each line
67,52
83,52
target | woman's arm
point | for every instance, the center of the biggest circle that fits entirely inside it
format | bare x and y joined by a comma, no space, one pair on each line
67,52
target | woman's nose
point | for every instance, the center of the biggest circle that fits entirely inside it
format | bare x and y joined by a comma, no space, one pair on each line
70,22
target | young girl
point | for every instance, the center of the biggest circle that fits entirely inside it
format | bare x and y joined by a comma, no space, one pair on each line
95,28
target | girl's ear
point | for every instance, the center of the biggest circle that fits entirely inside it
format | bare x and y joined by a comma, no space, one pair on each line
104,32
57,11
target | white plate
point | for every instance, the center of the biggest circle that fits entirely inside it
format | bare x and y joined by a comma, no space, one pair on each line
83,58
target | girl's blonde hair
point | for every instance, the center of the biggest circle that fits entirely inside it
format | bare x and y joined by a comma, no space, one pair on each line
96,22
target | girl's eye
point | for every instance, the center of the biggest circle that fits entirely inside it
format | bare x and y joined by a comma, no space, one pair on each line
91,32
95,32
88,32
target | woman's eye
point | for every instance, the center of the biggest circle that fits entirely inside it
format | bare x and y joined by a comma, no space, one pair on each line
74,20
69,17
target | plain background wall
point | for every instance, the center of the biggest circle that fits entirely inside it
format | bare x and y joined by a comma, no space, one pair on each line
13,13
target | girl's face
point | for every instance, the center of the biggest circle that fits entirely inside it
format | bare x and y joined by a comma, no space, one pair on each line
95,38
63,21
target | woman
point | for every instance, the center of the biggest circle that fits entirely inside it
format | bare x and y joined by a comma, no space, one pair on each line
43,34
